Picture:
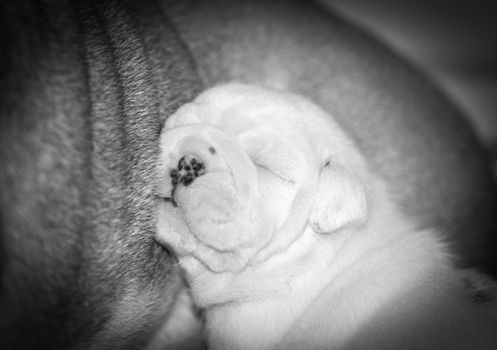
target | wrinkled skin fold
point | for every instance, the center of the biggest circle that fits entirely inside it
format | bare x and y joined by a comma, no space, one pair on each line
313,244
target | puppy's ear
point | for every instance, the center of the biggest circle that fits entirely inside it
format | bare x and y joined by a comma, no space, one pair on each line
340,201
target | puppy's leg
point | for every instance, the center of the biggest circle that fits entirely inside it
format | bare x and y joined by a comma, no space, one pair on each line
183,329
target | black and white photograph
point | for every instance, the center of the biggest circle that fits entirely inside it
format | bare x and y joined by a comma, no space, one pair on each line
248,174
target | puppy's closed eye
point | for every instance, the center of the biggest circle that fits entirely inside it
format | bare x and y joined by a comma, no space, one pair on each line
279,174
270,153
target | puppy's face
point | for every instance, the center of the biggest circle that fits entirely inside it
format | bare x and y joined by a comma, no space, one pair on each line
244,170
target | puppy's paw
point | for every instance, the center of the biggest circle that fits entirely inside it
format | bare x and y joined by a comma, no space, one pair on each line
183,329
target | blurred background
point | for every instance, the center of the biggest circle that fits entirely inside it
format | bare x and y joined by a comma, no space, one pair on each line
455,41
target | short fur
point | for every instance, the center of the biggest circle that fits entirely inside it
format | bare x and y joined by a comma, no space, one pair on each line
333,263
85,89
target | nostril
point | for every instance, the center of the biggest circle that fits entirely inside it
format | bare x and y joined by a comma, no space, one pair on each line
187,170
187,179
175,177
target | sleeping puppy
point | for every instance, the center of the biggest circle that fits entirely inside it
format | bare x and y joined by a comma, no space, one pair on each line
289,241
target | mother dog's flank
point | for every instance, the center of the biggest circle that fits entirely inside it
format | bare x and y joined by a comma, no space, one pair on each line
85,89
290,241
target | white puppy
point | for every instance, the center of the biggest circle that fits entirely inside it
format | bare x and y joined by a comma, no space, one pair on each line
289,241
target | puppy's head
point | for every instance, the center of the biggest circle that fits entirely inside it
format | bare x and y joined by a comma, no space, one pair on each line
244,171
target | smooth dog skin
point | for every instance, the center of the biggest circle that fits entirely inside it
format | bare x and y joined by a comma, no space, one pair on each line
290,241
85,89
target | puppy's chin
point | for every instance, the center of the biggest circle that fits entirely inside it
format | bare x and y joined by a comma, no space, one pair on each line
173,232
216,226
214,213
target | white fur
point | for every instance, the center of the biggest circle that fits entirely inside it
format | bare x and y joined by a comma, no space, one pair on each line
310,251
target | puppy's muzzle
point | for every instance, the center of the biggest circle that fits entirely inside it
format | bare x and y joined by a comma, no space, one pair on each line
209,177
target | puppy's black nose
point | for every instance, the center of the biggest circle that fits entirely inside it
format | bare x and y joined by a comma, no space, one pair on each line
189,168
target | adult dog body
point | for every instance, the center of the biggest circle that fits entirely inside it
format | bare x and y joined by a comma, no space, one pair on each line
289,241
86,87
